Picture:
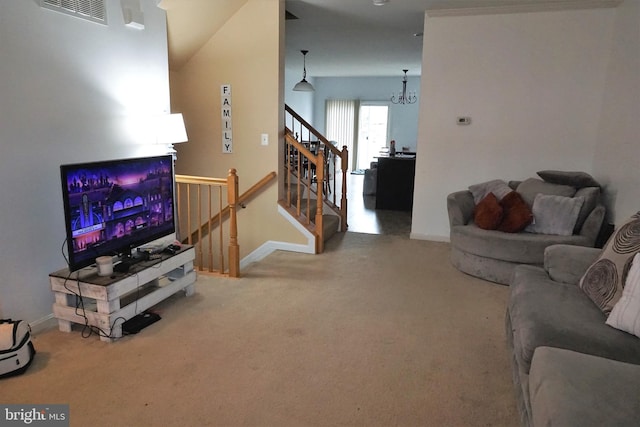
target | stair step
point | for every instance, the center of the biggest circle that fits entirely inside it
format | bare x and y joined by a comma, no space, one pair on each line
330,225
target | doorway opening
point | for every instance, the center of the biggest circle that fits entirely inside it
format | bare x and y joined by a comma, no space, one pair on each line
373,133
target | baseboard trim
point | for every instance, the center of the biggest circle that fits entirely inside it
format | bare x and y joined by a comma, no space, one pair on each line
43,324
430,237
272,246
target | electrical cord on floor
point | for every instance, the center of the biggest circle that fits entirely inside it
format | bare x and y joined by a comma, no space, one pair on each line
80,310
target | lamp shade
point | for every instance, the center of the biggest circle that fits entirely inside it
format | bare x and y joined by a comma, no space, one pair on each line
303,86
170,129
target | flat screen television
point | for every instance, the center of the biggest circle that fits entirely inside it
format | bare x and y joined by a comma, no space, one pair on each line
114,206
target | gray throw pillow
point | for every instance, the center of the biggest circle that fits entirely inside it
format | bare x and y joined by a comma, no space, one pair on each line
605,278
531,187
574,179
554,214
497,186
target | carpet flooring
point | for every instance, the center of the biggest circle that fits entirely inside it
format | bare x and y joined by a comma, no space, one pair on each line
379,330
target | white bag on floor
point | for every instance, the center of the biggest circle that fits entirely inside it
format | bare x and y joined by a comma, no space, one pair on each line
16,348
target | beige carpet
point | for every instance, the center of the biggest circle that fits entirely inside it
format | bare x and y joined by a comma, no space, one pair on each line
378,331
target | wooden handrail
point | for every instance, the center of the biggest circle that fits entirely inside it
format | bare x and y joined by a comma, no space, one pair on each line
232,198
335,150
192,179
214,220
257,187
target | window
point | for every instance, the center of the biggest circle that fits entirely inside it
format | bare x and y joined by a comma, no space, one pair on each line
362,127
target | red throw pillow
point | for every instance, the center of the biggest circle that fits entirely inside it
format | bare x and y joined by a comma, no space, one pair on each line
517,214
488,212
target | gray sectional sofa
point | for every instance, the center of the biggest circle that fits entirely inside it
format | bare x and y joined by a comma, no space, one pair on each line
492,254
570,368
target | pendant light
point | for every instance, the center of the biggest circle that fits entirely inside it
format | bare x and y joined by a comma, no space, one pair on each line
303,85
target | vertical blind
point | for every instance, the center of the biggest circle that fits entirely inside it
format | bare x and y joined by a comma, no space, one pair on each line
340,126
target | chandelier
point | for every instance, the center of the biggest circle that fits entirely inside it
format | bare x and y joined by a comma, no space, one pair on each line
404,97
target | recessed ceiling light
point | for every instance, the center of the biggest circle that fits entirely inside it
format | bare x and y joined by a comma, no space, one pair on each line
380,2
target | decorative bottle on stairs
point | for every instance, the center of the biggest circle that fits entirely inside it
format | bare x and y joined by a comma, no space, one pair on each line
392,148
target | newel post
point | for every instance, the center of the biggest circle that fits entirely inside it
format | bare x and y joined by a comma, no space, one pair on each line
344,165
319,203
234,248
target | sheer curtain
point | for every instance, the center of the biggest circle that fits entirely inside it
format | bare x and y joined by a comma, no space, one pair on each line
340,126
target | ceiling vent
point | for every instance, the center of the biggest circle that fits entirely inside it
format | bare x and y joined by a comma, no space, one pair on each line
91,10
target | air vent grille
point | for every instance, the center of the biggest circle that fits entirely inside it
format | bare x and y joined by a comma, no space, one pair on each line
92,10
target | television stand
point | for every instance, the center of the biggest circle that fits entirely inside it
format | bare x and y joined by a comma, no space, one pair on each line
109,301
127,262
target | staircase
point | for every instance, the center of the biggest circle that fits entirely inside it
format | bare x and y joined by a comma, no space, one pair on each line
315,183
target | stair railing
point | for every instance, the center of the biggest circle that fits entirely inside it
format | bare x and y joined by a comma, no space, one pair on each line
304,175
195,198
334,167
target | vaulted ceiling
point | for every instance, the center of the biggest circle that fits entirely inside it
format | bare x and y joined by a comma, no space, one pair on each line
190,23
344,37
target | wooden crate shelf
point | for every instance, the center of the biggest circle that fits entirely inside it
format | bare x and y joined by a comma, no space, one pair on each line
108,301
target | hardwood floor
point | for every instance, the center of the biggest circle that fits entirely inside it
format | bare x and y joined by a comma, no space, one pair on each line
362,216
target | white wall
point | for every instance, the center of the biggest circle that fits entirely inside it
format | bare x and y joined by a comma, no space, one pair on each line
618,149
533,85
70,91
403,119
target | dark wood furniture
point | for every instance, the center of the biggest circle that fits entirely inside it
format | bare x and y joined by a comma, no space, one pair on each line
394,186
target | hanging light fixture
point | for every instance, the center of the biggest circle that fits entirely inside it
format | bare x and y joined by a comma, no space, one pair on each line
404,97
303,85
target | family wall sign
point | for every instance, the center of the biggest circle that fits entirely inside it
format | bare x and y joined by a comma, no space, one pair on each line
227,134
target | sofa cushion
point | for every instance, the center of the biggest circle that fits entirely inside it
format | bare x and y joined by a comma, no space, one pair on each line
573,179
516,213
488,213
567,264
567,388
604,279
555,214
626,313
526,248
496,186
530,187
591,199
547,313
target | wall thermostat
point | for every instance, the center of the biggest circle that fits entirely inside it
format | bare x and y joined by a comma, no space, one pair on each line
463,120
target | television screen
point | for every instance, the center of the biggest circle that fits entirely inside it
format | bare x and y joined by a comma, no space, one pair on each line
114,206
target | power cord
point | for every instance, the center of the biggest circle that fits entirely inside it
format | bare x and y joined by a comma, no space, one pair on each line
80,310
